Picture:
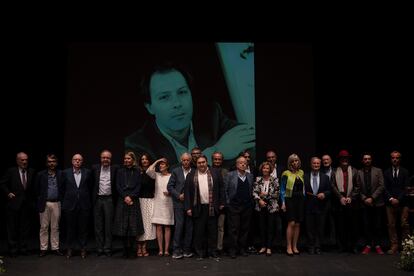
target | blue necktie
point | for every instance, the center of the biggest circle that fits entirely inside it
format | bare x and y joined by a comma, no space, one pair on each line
315,184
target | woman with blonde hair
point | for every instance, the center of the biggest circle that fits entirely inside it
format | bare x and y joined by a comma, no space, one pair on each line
292,196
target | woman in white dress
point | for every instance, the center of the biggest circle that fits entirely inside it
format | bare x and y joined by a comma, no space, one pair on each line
163,215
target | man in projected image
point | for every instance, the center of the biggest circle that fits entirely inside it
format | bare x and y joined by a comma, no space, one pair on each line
175,129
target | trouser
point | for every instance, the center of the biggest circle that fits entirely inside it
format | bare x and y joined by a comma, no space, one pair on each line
393,213
49,217
238,219
183,232
104,213
205,226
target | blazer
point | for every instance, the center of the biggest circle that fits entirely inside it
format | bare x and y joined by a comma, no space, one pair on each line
207,131
189,194
42,183
272,196
12,183
377,186
392,189
72,195
231,182
176,185
96,172
312,203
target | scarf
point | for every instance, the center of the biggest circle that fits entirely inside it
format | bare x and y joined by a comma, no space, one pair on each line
339,177
291,177
210,191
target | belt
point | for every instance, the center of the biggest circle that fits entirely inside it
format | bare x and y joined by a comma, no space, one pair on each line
104,196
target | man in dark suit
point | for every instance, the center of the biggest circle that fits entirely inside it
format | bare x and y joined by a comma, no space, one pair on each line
48,185
103,197
183,232
318,191
371,182
16,184
76,194
239,202
395,182
203,200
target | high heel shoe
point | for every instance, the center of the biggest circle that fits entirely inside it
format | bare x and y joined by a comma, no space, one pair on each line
268,252
262,251
289,254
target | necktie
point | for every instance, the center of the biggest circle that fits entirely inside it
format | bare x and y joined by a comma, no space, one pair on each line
395,177
24,179
315,184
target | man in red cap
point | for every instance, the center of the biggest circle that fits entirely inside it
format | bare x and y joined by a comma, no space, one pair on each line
346,189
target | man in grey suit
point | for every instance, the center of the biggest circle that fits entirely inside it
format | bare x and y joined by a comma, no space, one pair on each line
183,232
371,182
238,189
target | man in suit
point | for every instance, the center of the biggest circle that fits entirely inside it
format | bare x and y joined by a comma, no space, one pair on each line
395,182
76,194
318,191
346,190
371,182
48,185
239,202
16,184
203,200
183,232
331,205
103,197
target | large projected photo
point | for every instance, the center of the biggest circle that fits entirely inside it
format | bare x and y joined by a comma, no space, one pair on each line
161,98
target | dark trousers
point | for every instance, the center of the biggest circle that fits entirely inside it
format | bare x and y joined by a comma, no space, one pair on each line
183,232
347,222
205,226
18,228
238,218
267,227
315,226
104,214
77,227
372,224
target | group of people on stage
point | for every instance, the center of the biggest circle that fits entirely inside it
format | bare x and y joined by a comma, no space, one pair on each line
207,208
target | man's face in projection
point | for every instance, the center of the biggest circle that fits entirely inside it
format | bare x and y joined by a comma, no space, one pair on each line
171,101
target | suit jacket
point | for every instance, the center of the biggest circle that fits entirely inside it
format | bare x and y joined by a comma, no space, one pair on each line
395,189
176,185
377,186
96,172
72,195
206,131
232,181
312,203
12,183
189,194
42,184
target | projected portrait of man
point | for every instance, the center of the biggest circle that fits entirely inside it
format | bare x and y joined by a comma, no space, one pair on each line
176,127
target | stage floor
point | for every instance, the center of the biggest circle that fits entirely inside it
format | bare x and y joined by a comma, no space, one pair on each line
277,264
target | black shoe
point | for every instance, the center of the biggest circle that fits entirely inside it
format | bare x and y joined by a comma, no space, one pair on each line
83,253
57,252
213,255
233,255
69,253
290,254
318,251
311,251
42,253
100,253
108,253
252,250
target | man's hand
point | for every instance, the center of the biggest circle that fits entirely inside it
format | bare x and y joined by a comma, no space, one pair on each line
181,197
321,196
189,213
11,195
235,140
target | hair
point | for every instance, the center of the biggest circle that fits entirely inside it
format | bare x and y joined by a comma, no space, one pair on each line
315,157
217,152
133,156
292,158
162,68
265,163
395,152
105,150
51,156
196,148
202,156
146,155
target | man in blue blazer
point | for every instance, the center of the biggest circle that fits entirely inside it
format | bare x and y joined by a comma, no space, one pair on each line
318,191
183,232
76,194
238,190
